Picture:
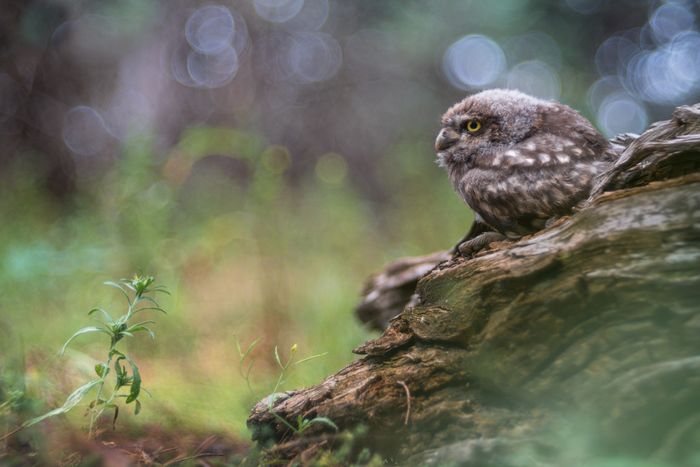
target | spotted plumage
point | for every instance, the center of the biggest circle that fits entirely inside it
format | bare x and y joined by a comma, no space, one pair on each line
519,161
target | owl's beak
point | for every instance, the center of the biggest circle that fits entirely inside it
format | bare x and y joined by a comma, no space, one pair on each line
446,138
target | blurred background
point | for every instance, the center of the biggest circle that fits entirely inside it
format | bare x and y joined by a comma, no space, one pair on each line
261,158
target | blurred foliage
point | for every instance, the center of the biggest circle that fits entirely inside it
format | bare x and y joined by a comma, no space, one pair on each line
262,183
265,259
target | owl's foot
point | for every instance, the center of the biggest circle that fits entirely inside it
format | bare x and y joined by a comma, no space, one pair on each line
470,247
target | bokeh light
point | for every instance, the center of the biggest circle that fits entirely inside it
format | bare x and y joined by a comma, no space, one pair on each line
535,45
278,11
601,89
84,131
216,38
535,78
210,29
474,61
214,69
613,52
331,168
620,113
658,64
668,74
313,57
670,19
128,110
276,159
178,65
311,17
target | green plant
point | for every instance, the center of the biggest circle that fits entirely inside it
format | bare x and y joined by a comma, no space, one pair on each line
302,424
9,404
12,399
245,367
117,329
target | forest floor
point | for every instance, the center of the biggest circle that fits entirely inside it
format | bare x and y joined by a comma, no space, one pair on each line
146,445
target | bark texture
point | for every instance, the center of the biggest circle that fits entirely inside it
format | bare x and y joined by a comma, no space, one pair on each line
579,342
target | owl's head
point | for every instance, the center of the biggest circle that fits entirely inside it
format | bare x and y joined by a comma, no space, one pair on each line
483,121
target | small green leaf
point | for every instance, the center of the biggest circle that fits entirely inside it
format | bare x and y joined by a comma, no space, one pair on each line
146,308
310,358
121,289
140,328
285,422
150,321
250,348
72,400
324,421
156,305
137,407
127,283
84,330
116,414
105,315
102,370
121,372
135,382
238,347
114,352
277,358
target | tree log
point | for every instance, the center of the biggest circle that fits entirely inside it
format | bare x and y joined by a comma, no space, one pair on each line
577,343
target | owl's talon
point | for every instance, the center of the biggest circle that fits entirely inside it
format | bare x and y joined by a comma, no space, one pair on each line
473,246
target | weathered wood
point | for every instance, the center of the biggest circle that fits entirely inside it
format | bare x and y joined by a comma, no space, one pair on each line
386,294
591,325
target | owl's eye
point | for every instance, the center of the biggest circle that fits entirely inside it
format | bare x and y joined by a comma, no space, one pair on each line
473,125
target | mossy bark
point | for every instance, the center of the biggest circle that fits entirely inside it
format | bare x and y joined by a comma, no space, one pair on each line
581,341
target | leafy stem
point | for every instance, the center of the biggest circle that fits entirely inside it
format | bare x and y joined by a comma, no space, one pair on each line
137,292
302,424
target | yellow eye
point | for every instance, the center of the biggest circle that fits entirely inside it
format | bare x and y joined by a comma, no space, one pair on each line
473,125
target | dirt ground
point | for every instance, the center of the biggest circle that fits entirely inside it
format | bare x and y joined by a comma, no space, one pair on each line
151,445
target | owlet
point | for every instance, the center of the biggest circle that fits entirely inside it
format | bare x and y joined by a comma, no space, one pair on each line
518,161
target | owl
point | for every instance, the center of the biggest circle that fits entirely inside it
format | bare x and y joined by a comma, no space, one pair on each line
518,162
